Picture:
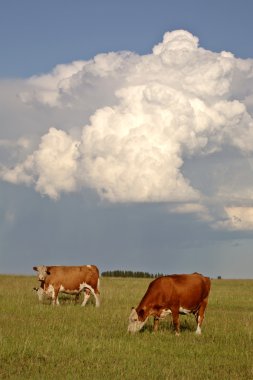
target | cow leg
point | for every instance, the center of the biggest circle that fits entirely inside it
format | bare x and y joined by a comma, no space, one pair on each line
55,297
175,318
89,290
86,296
97,298
200,316
156,323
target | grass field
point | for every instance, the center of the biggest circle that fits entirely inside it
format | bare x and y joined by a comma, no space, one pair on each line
38,341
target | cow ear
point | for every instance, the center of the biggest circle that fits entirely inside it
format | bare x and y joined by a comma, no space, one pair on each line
35,268
48,272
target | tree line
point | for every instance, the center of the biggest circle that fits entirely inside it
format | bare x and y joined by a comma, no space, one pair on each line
129,273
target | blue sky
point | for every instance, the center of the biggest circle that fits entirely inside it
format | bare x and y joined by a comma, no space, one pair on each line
125,135
35,36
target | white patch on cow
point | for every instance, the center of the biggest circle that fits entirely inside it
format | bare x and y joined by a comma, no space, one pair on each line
88,266
184,311
83,285
198,331
51,293
164,313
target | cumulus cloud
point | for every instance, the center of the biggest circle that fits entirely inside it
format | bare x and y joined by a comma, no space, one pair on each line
149,115
52,168
47,89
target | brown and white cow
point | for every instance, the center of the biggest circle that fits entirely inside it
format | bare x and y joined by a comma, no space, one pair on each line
68,279
174,294
42,294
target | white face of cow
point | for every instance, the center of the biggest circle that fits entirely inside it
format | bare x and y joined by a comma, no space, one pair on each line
42,272
134,323
40,293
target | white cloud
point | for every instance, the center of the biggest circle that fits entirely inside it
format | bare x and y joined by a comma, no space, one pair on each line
18,174
149,115
132,153
238,219
47,88
52,168
192,208
22,142
55,163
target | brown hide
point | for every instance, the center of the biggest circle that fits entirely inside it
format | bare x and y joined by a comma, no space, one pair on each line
70,277
187,291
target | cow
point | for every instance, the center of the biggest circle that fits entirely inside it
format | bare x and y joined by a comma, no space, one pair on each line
41,293
70,280
173,294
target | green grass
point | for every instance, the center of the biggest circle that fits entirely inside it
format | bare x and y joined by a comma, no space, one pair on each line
38,341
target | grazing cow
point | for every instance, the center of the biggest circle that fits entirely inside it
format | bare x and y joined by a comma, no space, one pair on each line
42,293
68,279
175,294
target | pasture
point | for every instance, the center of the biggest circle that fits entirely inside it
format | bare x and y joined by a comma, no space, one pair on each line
39,341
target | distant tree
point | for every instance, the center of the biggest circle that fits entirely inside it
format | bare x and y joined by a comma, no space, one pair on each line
129,273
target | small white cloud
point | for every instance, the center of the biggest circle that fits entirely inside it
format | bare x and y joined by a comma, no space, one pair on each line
22,142
238,218
191,208
21,173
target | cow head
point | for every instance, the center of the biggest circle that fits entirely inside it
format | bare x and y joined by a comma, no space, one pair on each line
42,272
40,293
135,324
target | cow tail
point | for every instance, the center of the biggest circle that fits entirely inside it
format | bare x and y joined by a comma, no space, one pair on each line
98,284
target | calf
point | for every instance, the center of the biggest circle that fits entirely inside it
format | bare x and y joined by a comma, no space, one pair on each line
175,294
70,280
42,293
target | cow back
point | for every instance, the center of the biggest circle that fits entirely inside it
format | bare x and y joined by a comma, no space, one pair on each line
184,290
